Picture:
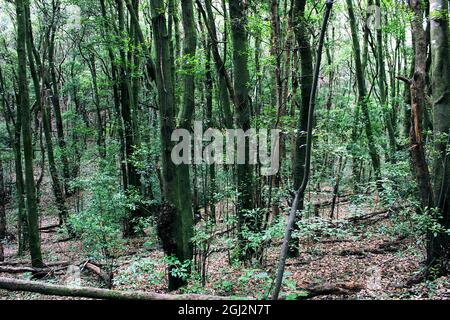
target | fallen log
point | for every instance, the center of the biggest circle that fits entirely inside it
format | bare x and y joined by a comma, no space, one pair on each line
51,227
26,263
95,293
328,203
15,270
330,289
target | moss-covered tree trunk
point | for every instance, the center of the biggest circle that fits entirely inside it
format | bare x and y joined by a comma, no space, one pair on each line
418,107
24,105
362,99
176,220
57,186
2,211
306,81
382,82
438,252
225,87
244,172
55,98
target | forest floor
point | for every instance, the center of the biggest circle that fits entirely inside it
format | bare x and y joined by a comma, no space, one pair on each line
366,262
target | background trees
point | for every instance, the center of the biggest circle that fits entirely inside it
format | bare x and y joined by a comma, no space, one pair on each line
91,92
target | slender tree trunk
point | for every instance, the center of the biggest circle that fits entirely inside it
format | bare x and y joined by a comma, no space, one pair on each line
306,81
101,144
57,111
22,224
126,113
2,211
39,96
362,100
116,97
301,191
383,92
33,216
226,90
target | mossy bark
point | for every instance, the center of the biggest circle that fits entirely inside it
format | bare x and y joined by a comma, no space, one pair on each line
24,104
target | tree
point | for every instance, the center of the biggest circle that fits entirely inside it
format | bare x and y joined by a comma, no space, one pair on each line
418,107
2,211
176,220
241,88
306,81
438,253
362,98
24,105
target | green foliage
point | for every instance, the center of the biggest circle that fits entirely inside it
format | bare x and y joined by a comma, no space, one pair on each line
178,269
100,224
141,272
317,228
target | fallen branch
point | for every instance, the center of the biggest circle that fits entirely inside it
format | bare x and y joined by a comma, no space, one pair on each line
94,293
386,247
100,273
376,214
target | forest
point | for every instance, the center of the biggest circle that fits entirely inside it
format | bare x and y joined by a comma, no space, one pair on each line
224,149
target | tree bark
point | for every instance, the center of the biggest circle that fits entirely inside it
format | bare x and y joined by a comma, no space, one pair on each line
24,104
56,97
383,92
418,96
241,88
362,99
306,81
94,293
2,211
438,253
301,191
177,213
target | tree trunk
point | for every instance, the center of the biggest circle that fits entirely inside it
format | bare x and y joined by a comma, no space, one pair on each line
2,211
24,104
307,171
94,293
176,218
438,252
226,90
55,99
418,96
383,92
306,81
40,97
241,89
362,99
